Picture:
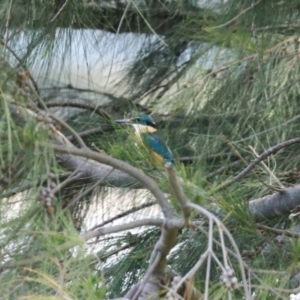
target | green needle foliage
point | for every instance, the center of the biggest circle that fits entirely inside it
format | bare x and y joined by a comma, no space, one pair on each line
222,82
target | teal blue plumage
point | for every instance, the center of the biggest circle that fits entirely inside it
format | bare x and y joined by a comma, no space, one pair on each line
146,132
154,142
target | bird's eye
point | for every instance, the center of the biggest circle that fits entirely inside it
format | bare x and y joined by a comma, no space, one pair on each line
138,119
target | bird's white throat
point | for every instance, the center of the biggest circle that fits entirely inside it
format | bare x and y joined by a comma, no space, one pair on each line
139,128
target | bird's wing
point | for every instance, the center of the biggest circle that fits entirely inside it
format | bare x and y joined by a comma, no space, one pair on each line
157,144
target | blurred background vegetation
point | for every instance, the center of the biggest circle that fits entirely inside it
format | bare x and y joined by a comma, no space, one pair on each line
220,78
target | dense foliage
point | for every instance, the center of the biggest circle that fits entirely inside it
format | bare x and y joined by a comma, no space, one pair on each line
221,79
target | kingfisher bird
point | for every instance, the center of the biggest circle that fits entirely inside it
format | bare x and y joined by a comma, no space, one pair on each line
146,133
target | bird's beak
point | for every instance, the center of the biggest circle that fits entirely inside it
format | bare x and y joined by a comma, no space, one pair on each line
124,121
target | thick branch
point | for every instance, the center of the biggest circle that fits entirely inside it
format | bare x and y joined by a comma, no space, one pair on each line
275,205
85,152
92,171
146,181
177,191
158,261
88,170
87,106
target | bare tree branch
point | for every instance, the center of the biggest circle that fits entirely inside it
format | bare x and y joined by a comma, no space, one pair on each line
125,167
82,105
275,205
76,199
118,228
59,120
59,11
93,131
91,171
257,160
279,231
8,17
236,17
225,266
126,213
177,191
88,170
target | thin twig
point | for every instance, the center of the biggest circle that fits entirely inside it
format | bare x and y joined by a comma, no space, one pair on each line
23,66
258,177
208,265
268,170
124,214
279,91
60,11
267,130
279,231
223,229
92,131
118,250
114,44
237,16
7,25
86,90
273,289
239,62
147,23
222,169
250,270
72,177
59,120
74,201
68,127
117,228
257,160
82,105
283,26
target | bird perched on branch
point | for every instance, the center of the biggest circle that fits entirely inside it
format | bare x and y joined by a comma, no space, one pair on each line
146,133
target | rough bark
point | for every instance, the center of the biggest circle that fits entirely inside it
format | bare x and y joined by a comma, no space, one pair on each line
275,205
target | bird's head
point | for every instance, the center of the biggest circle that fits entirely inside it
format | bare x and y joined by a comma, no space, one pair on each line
140,120
144,120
